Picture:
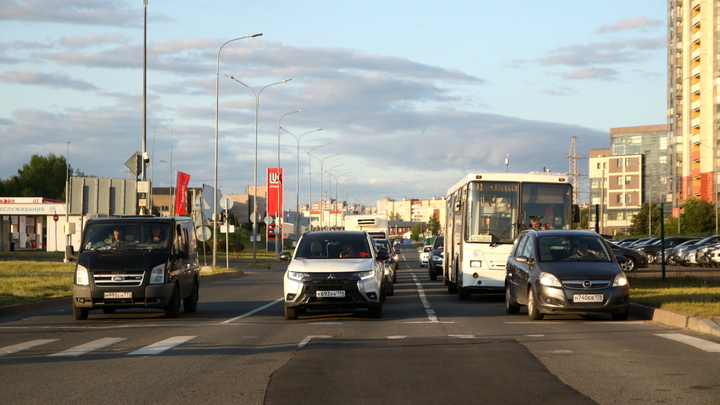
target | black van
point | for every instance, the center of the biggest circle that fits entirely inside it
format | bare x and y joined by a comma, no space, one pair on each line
136,262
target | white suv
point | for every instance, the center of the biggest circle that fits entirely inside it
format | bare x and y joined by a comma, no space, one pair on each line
336,270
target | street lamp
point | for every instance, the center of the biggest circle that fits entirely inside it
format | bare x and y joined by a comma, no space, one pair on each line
170,189
337,179
297,181
217,111
322,161
254,214
329,194
310,155
279,220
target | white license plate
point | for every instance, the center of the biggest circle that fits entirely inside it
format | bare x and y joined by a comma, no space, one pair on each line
117,295
587,298
330,294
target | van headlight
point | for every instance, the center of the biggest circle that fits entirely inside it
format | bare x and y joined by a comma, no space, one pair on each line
620,280
157,275
81,275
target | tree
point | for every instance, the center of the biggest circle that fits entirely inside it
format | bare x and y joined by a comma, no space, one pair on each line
394,216
640,223
433,225
416,231
698,216
41,177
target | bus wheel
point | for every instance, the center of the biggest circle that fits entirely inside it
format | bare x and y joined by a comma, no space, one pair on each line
464,294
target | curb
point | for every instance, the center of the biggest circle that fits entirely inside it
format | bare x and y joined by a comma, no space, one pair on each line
675,319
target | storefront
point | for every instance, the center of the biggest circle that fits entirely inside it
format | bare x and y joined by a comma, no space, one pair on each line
37,223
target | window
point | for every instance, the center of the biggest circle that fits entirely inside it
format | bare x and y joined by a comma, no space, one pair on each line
619,162
628,198
628,180
627,162
619,180
619,199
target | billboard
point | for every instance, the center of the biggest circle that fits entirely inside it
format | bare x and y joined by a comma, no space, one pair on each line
275,191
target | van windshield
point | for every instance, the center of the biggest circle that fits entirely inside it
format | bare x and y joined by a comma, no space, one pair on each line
126,236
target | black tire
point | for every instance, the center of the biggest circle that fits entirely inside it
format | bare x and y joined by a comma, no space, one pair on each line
511,306
190,302
464,294
432,274
173,308
109,310
650,258
291,313
375,311
533,311
623,316
80,313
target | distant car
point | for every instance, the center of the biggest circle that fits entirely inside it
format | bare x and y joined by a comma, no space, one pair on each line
633,257
337,270
686,255
548,272
652,249
672,253
435,262
425,255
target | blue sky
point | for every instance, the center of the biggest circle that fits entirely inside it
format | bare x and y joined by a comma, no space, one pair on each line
412,95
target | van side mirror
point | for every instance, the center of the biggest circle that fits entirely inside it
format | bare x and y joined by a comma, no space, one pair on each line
70,253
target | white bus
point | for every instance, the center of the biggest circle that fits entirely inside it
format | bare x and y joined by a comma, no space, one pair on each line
375,225
485,213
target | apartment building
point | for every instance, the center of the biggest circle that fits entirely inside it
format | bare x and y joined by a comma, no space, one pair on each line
414,209
693,106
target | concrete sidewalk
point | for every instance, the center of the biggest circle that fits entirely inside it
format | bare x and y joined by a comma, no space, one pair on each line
675,319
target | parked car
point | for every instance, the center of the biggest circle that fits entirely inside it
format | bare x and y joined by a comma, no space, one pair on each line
435,262
686,255
633,257
650,250
392,261
565,272
425,255
671,253
337,270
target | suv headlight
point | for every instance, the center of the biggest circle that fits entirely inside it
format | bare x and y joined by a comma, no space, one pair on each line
296,275
364,275
620,280
81,275
549,280
157,274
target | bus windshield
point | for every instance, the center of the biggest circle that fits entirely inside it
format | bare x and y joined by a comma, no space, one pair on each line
495,215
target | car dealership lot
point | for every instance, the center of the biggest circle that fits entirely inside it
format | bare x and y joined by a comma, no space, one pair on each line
243,350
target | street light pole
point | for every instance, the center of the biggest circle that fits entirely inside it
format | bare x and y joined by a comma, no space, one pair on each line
322,161
297,172
279,219
310,155
337,179
254,215
217,111
170,189
329,194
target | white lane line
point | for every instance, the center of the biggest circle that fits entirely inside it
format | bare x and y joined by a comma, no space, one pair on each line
311,337
161,346
693,341
398,337
24,346
245,315
463,336
428,308
87,347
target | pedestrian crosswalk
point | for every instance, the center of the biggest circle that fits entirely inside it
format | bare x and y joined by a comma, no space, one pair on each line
95,345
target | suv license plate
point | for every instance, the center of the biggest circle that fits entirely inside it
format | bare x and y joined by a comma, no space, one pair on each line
330,293
587,297
117,295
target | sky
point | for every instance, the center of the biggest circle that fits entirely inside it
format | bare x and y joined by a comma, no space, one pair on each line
410,96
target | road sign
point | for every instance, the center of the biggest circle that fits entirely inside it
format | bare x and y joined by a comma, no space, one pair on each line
203,233
226,203
55,217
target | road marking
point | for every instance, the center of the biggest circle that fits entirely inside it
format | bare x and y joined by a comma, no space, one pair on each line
429,310
245,315
88,347
311,337
396,337
693,341
24,346
161,346
463,336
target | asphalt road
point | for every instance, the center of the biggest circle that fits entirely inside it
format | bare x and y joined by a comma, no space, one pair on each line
428,348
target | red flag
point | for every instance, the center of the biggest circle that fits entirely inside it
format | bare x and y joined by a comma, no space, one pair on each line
181,193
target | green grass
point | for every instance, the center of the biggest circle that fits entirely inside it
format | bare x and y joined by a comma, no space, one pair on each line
688,295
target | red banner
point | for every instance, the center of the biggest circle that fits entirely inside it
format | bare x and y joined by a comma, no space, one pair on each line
181,193
275,191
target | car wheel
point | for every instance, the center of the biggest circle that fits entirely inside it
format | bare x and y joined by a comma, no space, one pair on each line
80,313
630,264
432,274
375,311
291,313
533,311
511,306
650,258
190,303
622,316
173,308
